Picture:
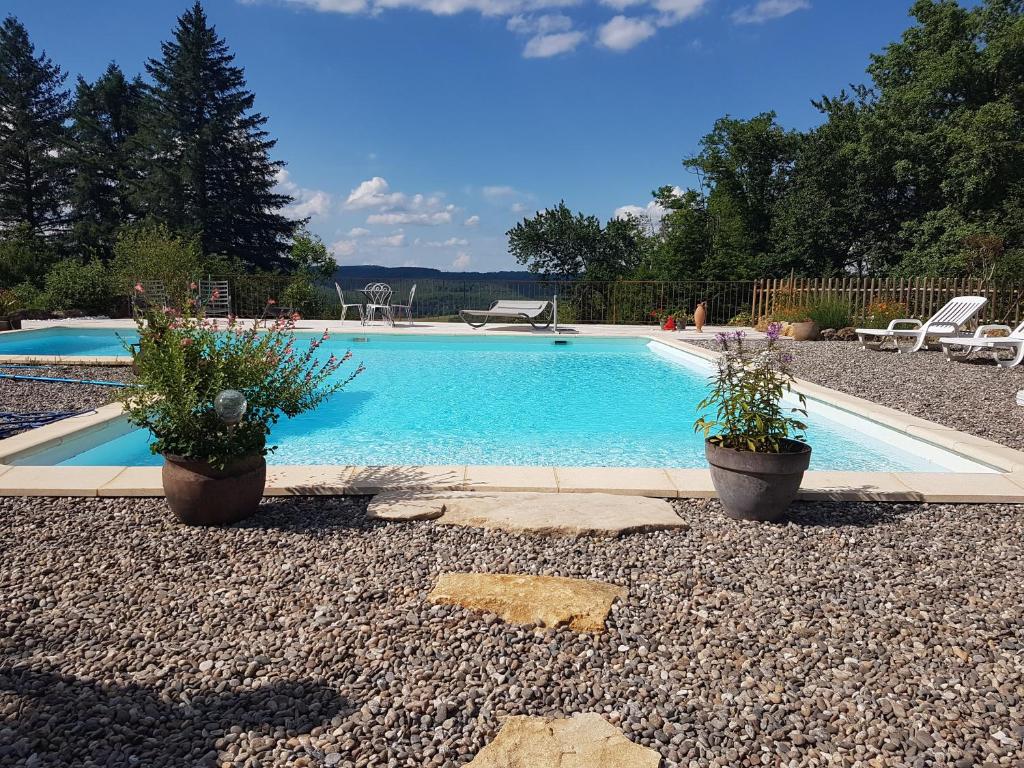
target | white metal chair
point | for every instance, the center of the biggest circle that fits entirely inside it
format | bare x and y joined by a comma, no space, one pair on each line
404,309
952,318
345,307
378,299
215,297
964,347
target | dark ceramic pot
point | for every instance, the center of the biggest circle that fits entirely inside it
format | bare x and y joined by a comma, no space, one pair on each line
10,323
757,486
199,494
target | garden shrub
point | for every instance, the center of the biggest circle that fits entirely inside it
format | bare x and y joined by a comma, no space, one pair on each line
150,251
830,312
88,287
306,298
881,312
24,257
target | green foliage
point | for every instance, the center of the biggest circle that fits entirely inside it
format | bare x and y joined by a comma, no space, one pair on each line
184,362
33,108
308,254
149,251
302,295
558,243
87,287
104,128
209,170
881,312
29,296
746,395
830,312
24,256
9,303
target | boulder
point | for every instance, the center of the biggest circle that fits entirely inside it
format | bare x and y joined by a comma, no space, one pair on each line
548,601
583,741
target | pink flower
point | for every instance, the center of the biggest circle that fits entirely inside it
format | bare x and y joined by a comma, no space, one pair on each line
192,286
327,335
296,316
215,295
139,288
271,301
186,342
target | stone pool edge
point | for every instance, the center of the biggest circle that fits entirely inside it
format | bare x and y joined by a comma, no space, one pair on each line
1007,486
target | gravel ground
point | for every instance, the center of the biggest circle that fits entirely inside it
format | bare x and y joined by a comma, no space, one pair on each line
27,396
976,397
857,635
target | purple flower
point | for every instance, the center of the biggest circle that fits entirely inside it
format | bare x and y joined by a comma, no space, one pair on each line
773,331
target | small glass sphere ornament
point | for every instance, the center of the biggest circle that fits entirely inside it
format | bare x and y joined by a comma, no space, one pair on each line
230,406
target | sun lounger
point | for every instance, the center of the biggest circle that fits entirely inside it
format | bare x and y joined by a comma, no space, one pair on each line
509,310
967,346
949,320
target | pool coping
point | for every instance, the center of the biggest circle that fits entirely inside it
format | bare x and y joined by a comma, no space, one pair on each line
1005,487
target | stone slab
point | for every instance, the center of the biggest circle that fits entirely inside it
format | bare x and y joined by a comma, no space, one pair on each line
583,741
574,514
548,601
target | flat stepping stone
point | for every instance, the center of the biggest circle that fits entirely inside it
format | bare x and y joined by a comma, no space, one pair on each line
549,601
583,741
554,514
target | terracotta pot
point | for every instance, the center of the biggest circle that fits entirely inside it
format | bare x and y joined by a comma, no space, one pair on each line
700,316
199,494
757,486
805,331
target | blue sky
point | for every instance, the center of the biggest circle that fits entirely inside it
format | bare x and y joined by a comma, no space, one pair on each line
416,132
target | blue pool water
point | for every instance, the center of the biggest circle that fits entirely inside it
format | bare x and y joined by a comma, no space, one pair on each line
94,342
520,401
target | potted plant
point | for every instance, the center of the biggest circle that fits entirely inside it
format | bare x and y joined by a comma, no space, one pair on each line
671,320
753,443
10,319
209,398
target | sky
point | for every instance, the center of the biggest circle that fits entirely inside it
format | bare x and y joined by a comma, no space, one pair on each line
417,132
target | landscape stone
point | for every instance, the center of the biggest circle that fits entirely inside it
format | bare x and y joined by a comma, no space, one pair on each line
584,741
547,601
556,514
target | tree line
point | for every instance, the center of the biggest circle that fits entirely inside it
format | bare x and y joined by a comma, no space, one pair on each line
181,152
919,172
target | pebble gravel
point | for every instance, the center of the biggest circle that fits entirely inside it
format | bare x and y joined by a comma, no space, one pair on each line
855,635
20,396
975,396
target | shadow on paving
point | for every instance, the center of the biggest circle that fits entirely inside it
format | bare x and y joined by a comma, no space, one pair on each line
312,514
64,721
856,514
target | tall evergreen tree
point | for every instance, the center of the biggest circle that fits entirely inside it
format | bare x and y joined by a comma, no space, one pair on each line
104,127
209,170
33,110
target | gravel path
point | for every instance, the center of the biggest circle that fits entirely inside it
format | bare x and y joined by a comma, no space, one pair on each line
975,397
861,634
26,396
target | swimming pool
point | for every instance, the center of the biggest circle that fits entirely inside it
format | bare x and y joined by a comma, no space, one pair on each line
527,401
90,342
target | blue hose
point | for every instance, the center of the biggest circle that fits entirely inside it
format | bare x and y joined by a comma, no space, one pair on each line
97,383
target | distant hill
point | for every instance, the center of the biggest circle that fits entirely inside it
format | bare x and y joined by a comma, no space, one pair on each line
374,272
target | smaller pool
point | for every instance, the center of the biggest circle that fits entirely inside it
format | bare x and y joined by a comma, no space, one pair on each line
90,342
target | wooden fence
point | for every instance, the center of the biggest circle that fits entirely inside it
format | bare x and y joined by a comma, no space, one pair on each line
922,296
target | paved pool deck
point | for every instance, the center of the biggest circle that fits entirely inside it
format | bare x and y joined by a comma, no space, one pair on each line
1005,485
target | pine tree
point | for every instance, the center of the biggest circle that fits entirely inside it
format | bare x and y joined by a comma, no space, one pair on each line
103,130
33,140
209,170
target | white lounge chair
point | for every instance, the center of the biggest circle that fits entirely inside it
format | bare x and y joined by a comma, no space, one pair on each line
508,310
951,319
963,347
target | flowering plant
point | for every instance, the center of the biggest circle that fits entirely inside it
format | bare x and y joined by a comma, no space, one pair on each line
747,396
184,360
881,312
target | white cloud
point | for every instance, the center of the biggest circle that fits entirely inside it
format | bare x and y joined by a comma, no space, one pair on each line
519,208
373,193
358,232
544,24
472,221
451,242
396,240
342,248
545,46
431,219
621,5
623,33
652,211
766,10
462,260
307,203
498,191
675,11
